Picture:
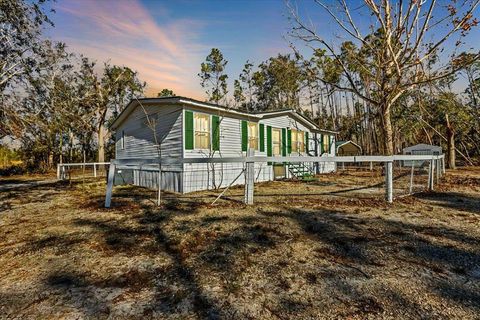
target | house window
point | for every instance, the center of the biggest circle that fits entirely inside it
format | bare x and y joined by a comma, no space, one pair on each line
202,131
326,144
122,140
298,141
252,135
276,142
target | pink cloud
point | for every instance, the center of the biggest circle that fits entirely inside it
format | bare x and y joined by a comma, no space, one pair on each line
166,55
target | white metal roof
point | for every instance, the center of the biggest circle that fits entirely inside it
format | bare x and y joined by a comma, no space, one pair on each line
192,102
423,146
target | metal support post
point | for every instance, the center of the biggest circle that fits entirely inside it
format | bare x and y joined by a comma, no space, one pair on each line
430,175
111,177
249,178
389,181
411,177
159,197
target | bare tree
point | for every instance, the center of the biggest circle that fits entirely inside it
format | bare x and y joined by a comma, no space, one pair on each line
21,48
106,94
403,38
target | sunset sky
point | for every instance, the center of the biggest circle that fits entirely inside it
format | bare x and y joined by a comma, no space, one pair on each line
165,41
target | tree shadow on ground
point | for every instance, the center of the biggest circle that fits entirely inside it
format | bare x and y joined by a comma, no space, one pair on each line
148,236
40,193
454,200
348,252
58,243
355,242
150,233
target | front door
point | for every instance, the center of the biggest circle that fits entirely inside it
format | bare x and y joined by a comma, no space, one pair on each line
278,168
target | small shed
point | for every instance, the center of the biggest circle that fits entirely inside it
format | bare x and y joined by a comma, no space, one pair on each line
421,149
348,148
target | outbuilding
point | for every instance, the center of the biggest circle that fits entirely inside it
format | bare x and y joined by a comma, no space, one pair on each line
348,148
421,149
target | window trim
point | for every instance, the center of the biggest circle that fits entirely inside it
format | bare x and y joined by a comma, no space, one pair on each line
209,131
279,142
122,141
326,146
299,143
257,135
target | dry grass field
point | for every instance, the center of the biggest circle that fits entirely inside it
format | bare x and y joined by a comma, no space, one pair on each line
303,251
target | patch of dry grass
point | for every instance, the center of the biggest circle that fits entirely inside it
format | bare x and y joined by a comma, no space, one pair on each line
304,250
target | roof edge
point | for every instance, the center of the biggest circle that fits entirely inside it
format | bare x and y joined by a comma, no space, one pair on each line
189,101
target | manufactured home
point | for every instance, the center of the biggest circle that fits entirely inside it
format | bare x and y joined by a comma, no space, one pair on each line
180,128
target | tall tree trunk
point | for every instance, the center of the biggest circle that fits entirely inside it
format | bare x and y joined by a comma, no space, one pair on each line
101,143
387,129
450,144
70,151
473,90
61,147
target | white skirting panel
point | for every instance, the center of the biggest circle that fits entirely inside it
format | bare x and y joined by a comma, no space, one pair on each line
171,180
201,176
327,167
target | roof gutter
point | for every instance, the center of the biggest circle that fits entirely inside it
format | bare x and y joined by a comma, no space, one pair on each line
209,106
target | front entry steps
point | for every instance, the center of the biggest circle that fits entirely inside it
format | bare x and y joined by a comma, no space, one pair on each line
301,171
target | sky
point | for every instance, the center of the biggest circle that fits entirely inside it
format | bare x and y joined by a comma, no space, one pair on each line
166,41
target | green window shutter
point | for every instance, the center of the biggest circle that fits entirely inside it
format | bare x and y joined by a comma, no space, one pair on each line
306,141
262,137
244,135
215,133
321,144
269,143
284,142
289,141
188,130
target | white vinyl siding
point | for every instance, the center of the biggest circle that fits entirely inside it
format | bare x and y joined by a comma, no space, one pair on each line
139,139
200,176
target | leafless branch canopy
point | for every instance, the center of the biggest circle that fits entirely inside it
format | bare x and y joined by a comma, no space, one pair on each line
402,47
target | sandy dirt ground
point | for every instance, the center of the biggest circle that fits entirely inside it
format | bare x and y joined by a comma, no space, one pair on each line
324,249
